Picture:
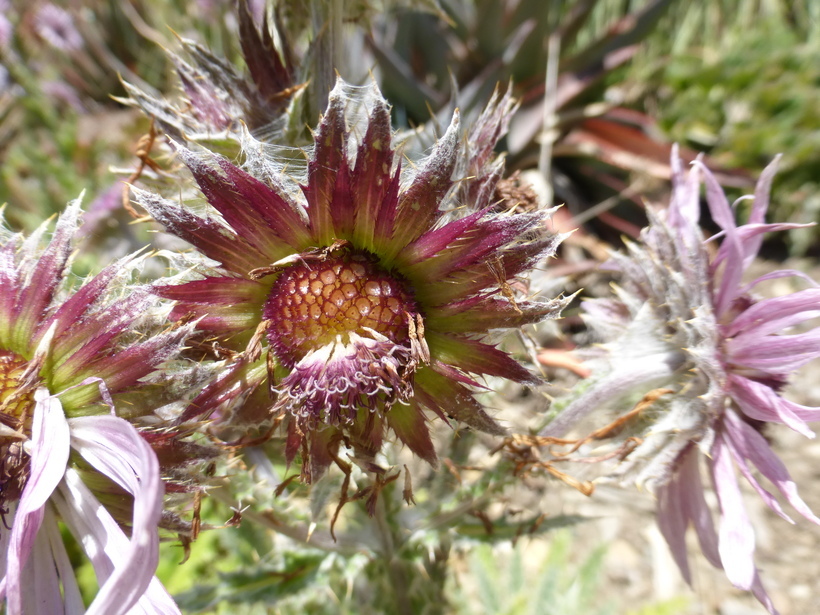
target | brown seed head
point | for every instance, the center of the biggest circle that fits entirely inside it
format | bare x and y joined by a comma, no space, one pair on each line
313,302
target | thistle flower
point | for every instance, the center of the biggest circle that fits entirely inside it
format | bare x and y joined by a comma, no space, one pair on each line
64,454
684,320
218,99
56,26
363,298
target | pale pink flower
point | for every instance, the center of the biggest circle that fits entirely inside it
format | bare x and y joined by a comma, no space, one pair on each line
63,363
56,26
684,319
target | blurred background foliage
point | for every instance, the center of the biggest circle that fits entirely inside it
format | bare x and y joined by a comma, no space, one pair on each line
742,85
737,79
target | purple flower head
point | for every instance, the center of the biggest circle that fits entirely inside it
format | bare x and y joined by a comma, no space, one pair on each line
219,100
685,320
6,29
358,301
56,26
66,357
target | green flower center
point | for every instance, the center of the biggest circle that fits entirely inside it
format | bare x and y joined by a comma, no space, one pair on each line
313,302
16,407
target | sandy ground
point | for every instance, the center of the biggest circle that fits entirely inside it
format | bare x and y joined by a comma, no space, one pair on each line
639,569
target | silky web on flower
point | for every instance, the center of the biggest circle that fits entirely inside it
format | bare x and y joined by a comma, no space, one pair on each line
356,292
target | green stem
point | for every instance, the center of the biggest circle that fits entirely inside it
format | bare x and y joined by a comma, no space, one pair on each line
395,569
319,539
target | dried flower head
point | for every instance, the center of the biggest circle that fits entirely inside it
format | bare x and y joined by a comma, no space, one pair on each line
66,358
360,298
684,320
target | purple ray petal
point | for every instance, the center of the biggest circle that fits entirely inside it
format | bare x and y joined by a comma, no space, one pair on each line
719,207
778,353
754,447
4,549
120,569
752,231
40,585
804,413
71,592
761,204
684,208
49,455
730,253
739,455
696,508
750,234
115,448
762,596
775,314
761,403
781,273
672,521
735,533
